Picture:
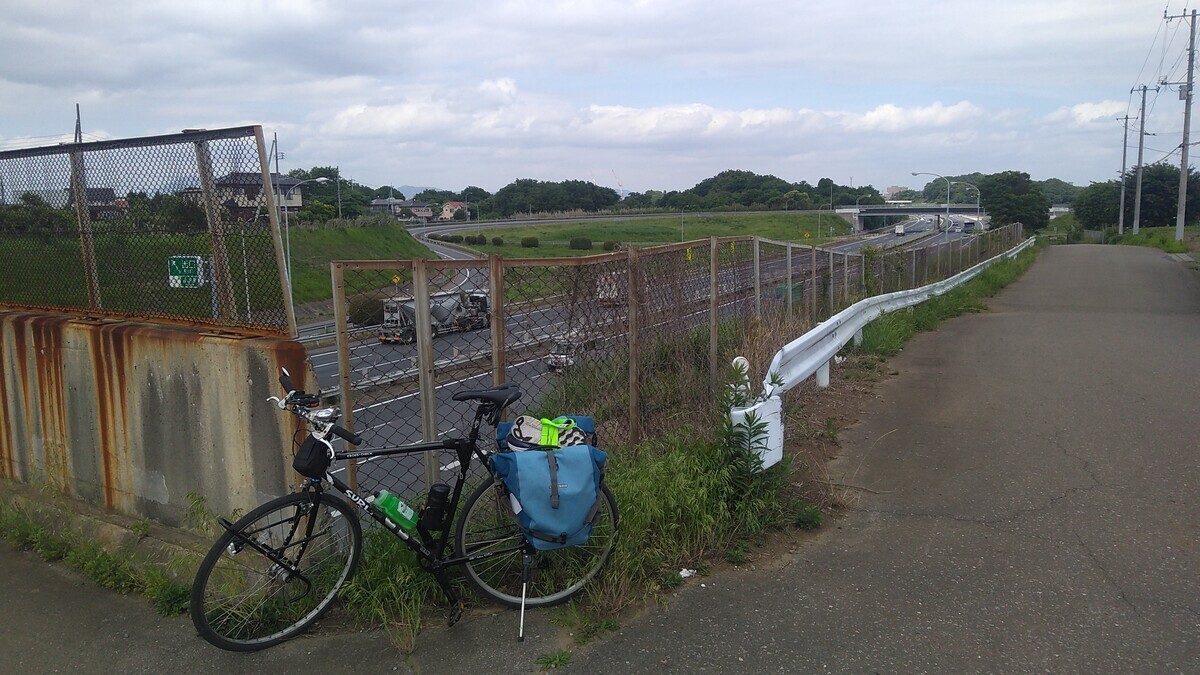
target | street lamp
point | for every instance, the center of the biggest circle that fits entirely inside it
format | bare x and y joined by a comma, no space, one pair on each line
978,194
287,237
925,173
858,212
820,210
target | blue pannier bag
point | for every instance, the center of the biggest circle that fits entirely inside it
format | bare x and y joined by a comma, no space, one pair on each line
555,492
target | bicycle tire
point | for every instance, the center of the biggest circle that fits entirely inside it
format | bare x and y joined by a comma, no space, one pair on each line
241,602
486,524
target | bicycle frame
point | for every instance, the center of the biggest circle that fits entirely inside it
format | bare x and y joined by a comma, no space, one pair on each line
430,547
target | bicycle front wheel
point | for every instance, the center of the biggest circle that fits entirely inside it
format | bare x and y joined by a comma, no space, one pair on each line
275,571
487,532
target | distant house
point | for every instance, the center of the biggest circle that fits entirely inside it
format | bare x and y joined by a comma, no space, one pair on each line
450,208
398,208
102,202
242,193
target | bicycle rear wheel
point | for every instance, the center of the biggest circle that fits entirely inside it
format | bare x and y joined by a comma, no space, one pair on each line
487,526
276,571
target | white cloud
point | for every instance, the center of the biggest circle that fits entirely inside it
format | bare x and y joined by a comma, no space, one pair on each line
1084,114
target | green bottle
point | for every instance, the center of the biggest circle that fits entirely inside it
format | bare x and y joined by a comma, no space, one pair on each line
397,511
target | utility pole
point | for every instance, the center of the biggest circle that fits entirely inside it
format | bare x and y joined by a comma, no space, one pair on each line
1186,95
1137,197
1124,153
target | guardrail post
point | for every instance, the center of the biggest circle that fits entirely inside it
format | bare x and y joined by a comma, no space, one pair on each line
858,338
823,375
343,355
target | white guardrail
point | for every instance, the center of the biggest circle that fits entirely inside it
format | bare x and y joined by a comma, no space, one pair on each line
811,353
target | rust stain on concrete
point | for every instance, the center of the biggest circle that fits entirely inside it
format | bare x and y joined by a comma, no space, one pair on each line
48,344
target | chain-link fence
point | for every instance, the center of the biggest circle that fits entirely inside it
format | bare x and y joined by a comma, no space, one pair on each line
177,228
638,339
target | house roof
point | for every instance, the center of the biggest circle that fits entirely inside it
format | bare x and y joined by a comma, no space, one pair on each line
252,178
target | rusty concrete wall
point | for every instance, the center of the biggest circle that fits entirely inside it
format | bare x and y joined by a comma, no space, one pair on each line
133,417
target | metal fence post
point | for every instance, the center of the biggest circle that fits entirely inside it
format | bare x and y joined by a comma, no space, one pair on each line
216,232
789,280
429,431
757,280
635,361
914,268
846,278
832,267
338,276
713,305
496,290
812,290
83,213
276,237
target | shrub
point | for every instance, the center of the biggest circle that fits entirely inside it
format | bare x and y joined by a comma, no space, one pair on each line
610,246
497,241
581,243
454,239
529,242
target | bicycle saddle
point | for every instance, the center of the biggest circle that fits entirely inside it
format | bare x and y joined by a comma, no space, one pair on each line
500,396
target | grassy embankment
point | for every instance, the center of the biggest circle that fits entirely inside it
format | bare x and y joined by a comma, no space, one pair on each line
553,239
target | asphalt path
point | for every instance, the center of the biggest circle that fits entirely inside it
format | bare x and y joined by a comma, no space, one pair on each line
1028,504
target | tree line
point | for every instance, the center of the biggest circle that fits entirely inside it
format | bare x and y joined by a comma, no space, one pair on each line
1098,206
1009,196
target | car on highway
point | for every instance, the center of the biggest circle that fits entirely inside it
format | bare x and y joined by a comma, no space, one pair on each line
956,227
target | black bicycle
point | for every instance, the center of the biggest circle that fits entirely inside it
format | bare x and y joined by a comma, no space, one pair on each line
280,567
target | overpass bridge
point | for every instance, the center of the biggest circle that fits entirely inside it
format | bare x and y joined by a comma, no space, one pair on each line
857,214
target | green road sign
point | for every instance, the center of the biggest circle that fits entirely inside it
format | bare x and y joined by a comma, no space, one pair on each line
185,271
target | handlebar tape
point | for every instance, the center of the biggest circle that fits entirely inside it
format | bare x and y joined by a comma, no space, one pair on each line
346,435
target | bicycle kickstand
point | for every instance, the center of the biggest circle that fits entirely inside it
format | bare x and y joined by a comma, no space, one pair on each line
456,602
525,565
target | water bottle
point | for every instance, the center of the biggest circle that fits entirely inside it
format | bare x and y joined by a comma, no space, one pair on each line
397,511
435,507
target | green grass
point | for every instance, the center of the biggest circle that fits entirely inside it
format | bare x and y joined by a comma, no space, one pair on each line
887,334
312,250
553,239
1156,237
556,659
118,570
390,589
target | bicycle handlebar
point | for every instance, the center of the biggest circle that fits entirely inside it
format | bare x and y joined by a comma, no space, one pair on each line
347,435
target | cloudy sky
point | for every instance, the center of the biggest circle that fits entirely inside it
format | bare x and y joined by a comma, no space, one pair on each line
631,94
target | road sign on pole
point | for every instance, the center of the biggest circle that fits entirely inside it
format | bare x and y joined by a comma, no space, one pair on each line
185,271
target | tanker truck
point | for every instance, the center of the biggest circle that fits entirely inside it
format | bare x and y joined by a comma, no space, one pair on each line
449,312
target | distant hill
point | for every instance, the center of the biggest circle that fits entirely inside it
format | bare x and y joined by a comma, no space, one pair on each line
411,191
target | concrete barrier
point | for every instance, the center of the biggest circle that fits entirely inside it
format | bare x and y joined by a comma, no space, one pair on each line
133,417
